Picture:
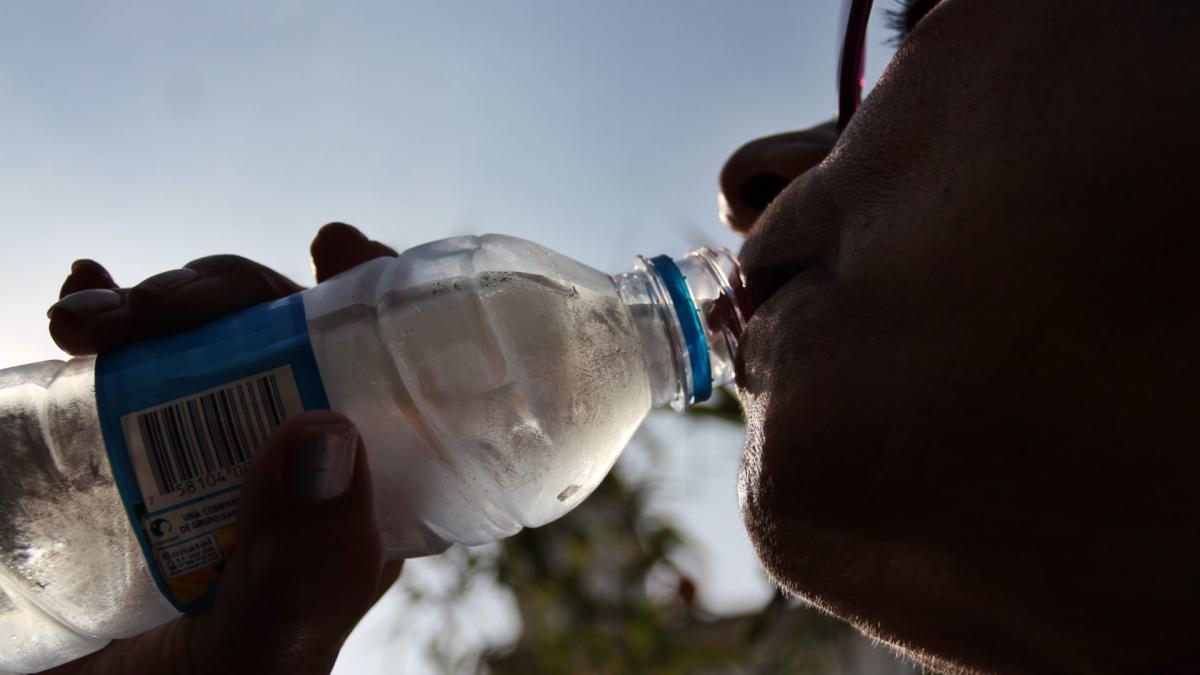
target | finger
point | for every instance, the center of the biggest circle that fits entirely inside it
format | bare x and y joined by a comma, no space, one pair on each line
93,320
92,291
309,558
96,320
339,247
86,274
754,175
203,290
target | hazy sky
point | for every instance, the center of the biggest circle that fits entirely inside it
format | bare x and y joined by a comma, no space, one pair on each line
145,134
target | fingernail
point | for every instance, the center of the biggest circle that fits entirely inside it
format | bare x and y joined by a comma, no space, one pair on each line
171,280
86,302
322,461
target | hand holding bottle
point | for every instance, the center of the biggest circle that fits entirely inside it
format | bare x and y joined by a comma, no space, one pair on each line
284,605
94,315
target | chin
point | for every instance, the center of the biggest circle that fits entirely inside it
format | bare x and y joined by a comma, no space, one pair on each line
819,525
828,571
821,538
789,547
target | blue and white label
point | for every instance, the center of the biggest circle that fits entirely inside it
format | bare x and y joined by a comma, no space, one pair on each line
183,416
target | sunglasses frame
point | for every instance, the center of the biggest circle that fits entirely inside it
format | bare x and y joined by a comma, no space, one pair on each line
853,59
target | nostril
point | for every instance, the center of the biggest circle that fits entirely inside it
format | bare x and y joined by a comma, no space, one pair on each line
761,189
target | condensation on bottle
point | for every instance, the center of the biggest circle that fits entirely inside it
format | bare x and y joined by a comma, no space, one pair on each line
494,383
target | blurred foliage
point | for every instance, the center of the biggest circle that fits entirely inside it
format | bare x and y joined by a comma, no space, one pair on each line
600,592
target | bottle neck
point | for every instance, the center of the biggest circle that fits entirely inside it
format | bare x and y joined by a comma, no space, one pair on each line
689,313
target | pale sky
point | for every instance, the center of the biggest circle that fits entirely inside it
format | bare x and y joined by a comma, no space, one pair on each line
145,134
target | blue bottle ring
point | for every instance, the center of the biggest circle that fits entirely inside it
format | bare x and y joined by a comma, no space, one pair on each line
689,323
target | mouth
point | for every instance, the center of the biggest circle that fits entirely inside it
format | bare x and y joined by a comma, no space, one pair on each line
762,296
796,241
775,257
764,281
773,286
767,267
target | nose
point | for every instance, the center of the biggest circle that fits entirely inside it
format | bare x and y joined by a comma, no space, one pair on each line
754,175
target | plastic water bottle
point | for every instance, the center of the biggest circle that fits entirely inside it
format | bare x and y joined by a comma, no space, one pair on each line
494,383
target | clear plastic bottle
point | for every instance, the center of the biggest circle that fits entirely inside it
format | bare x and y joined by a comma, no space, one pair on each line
494,383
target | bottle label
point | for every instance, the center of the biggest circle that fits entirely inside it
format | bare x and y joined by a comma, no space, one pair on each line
183,416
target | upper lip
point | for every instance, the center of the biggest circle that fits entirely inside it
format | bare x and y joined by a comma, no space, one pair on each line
762,281
764,277
790,240
768,267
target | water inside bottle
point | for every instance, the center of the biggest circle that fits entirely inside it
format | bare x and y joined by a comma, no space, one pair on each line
526,389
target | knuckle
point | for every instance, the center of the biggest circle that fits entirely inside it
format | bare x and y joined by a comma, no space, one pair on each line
170,280
223,263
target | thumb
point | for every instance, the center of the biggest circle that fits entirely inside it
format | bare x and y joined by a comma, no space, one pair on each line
309,554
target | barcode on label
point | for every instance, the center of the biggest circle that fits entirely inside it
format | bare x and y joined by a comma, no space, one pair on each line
200,444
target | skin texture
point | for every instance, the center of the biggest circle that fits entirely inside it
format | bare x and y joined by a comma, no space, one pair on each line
971,381
971,384
283,605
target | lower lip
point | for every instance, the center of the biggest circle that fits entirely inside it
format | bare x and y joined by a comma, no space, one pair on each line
766,311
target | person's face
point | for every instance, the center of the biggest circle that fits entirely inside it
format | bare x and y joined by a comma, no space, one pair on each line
972,379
